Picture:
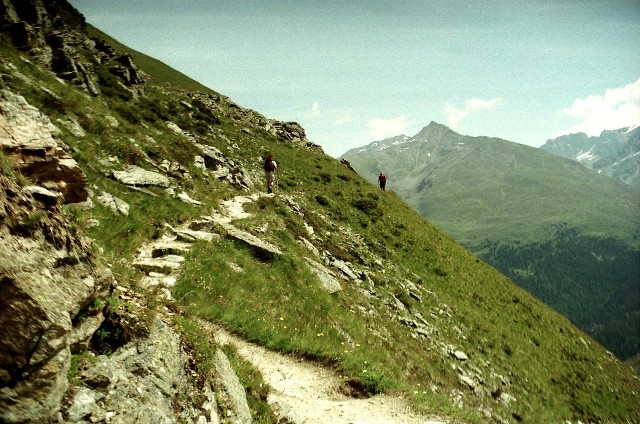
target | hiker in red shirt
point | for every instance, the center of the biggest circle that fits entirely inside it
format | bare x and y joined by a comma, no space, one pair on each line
382,180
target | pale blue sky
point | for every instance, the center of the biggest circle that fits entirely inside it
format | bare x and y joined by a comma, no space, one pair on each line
351,72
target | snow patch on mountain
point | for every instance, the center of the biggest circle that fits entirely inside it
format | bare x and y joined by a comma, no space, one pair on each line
614,153
588,155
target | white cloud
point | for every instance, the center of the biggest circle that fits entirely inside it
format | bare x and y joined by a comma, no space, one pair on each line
617,108
455,115
315,108
384,128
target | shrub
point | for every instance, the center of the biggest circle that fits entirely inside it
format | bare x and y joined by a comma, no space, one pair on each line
322,200
365,205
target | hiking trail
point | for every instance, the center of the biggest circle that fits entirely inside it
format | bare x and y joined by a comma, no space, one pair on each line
302,392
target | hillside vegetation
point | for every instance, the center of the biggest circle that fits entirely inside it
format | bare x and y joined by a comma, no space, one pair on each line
417,314
561,231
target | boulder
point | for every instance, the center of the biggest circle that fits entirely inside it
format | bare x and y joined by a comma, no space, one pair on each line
327,279
30,141
145,381
262,248
135,176
47,281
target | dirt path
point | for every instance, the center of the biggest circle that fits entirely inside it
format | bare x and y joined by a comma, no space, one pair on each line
305,393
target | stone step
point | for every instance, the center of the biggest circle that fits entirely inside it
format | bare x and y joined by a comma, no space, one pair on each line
155,279
173,248
205,224
164,265
191,236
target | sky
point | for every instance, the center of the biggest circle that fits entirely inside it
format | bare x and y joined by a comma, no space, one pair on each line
353,72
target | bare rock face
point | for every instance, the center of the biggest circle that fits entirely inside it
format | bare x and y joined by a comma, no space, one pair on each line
142,382
51,33
47,280
30,141
136,176
224,168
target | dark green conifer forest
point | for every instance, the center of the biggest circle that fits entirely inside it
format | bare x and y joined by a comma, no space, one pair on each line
570,271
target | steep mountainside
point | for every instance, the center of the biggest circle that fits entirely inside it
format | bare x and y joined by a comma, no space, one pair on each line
327,270
560,230
612,153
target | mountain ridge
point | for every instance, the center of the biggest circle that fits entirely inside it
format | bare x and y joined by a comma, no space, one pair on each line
615,153
436,141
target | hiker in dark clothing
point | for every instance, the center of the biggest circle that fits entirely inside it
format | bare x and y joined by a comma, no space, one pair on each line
382,181
270,167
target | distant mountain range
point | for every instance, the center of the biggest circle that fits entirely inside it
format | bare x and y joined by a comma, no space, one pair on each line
613,153
562,231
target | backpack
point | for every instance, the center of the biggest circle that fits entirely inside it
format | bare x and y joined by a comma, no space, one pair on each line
268,164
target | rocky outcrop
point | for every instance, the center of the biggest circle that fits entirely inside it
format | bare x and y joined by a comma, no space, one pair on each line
136,176
50,32
214,106
232,390
289,131
143,382
31,142
224,168
49,285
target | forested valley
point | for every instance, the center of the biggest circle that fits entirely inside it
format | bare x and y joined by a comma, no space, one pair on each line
593,281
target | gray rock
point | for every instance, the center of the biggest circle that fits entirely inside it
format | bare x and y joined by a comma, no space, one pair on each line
468,381
164,265
187,199
193,235
160,280
327,279
31,143
233,389
260,247
82,332
167,247
460,355
136,176
43,288
85,407
344,267
48,197
200,163
142,382
224,168
116,205
309,246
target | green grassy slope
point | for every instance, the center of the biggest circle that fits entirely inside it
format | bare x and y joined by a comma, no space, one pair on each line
514,343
